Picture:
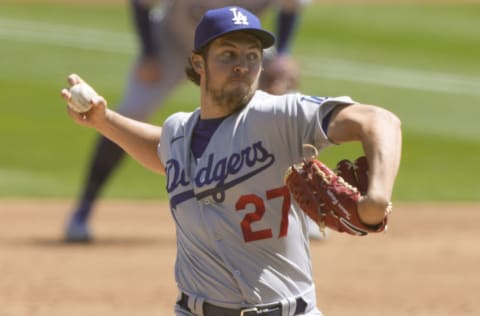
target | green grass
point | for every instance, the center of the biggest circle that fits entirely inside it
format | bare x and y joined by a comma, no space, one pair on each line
343,50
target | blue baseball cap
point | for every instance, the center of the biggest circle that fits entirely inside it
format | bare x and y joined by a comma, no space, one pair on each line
218,22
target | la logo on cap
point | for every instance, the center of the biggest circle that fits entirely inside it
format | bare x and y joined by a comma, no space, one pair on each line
220,21
238,17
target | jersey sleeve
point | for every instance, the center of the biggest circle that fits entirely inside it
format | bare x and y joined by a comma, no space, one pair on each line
172,130
306,119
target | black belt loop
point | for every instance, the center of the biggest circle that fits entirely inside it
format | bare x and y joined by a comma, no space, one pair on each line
183,302
301,306
269,310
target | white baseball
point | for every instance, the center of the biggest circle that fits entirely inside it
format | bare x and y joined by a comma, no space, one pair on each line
82,94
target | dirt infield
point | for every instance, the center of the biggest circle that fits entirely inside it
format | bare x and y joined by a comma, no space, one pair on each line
427,264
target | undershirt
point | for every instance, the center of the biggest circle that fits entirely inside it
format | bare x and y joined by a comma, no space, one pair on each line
202,133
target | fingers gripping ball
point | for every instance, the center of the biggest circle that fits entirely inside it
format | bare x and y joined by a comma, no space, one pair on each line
329,199
82,95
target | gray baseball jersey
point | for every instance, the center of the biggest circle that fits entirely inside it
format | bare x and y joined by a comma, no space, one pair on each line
174,26
240,238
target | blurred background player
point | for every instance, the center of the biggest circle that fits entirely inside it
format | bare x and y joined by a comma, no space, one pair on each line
165,31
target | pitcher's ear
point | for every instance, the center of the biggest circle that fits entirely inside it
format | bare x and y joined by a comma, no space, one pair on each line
197,62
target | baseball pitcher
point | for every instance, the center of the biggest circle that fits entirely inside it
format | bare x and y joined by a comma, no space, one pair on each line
242,242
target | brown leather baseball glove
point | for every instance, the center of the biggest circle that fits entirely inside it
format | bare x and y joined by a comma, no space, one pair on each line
329,198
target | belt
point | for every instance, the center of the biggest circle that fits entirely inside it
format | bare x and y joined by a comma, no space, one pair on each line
265,310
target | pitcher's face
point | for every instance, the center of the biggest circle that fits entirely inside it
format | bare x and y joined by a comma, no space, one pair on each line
233,68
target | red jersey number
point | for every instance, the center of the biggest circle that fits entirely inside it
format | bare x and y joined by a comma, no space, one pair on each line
259,211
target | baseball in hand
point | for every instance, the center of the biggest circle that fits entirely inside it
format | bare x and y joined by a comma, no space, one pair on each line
82,94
